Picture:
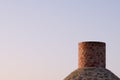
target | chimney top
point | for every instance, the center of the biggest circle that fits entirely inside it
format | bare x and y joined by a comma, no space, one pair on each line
91,54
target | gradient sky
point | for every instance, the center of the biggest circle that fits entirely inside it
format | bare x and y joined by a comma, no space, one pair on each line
39,38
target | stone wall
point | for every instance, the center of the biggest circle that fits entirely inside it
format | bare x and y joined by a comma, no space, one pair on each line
91,63
91,54
92,73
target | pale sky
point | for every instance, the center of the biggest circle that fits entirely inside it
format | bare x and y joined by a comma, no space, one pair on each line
39,38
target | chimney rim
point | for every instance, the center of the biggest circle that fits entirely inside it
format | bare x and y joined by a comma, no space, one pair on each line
99,42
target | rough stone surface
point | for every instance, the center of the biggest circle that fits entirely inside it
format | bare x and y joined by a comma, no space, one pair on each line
91,73
91,63
91,54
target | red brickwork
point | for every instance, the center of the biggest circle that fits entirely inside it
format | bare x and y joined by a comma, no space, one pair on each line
91,54
91,63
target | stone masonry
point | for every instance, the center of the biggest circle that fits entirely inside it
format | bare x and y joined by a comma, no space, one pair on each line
91,54
91,63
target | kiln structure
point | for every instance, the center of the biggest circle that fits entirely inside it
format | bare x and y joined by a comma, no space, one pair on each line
91,63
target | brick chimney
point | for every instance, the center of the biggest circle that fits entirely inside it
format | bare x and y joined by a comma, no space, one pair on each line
91,63
91,54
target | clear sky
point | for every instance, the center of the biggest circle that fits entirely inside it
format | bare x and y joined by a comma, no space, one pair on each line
39,38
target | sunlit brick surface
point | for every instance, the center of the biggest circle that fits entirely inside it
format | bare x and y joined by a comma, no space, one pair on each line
91,63
91,54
